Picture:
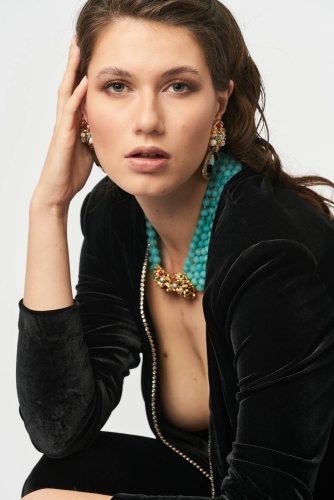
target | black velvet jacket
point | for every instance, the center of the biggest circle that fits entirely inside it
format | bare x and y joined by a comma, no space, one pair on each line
268,305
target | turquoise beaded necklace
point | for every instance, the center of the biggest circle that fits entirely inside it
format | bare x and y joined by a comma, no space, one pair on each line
193,276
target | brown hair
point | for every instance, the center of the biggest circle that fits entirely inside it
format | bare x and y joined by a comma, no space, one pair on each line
219,35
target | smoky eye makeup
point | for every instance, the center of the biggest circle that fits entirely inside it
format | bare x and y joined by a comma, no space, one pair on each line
119,86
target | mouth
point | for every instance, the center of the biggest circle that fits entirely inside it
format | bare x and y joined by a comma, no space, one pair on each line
147,161
147,152
147,155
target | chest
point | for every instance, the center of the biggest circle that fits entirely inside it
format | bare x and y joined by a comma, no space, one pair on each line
180,332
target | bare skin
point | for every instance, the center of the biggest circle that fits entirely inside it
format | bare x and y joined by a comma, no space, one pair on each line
175,113
52,494
182,358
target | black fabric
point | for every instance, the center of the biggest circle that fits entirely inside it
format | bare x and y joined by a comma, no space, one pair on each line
268,305
119,462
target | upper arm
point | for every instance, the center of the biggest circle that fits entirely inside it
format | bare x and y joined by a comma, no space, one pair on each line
280,325
109,329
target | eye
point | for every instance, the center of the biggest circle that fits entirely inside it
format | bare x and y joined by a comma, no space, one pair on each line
114,87
180,87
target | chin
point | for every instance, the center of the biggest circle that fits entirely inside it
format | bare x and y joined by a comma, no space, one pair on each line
151,191
149,184
145,184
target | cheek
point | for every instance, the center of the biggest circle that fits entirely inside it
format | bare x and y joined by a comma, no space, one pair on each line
106,128
193,134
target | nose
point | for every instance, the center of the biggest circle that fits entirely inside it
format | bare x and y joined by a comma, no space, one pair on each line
148,115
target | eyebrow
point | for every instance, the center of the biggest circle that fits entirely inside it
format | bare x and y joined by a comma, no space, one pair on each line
113,70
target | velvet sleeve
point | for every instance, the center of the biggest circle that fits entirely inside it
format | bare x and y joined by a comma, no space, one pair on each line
280,328
280,325
71,362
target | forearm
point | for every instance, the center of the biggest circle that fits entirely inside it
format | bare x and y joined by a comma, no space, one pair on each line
55,383
48,282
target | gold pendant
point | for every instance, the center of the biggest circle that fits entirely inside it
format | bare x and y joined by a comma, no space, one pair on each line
179,283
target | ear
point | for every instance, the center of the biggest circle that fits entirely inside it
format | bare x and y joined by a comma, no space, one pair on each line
222,100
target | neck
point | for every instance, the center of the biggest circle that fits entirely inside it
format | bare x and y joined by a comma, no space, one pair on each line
174,216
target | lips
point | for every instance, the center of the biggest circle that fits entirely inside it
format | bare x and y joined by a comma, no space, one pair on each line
147,152
147,164
146,155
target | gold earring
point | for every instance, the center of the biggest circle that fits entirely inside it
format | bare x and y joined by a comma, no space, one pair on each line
217,140
85,133
86,138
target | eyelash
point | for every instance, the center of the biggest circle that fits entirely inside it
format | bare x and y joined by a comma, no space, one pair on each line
190,87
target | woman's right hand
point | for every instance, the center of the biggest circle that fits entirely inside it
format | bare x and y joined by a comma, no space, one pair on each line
69,161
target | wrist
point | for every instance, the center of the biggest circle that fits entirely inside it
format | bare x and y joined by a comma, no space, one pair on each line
40,208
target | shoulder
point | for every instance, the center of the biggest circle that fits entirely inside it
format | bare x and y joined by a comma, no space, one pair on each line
260,227
100,204
268,208
253,209
113,226
106,204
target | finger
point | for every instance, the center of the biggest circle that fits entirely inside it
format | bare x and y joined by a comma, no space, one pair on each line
67,123
69,81
73,52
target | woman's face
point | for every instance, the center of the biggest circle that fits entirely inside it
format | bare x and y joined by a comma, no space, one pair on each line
149,87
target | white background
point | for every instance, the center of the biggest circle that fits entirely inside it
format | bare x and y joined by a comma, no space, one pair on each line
291,41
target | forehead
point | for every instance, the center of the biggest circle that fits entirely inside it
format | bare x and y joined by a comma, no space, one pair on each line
135,44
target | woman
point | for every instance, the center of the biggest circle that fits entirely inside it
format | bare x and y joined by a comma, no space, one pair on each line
238,354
